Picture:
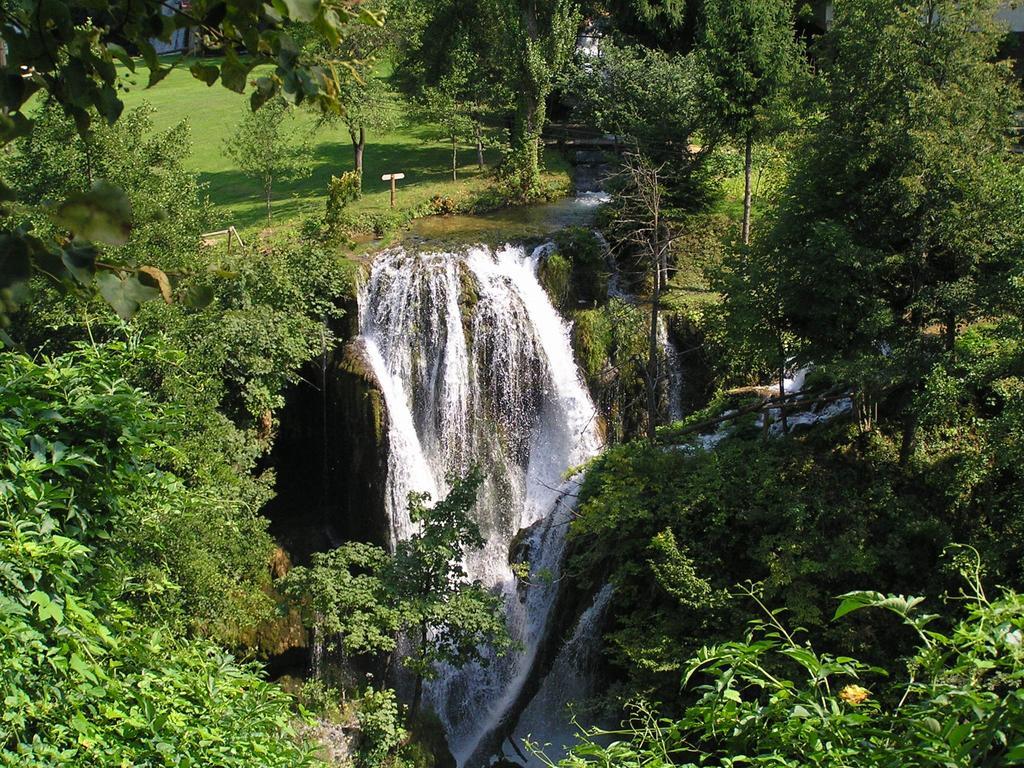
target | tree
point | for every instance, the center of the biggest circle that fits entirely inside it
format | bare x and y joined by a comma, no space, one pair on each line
366,100
665,25
264,150
644,226
55,161
901,222
752,56
652,101
447,65
369,104
366,599
536,39
70,52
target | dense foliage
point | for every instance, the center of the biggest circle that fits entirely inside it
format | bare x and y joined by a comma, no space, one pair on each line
772,699
886,259
809,516
366,600
69,55
99,545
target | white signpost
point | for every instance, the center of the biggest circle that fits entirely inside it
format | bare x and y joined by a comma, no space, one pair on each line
392,177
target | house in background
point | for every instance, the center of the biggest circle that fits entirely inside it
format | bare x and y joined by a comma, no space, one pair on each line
182,39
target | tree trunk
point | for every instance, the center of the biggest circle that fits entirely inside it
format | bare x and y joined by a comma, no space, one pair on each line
417,696
479,146
358,145
748,166
455,160
526,144
267,190
782,387
652,352
417,691
950,332
909,432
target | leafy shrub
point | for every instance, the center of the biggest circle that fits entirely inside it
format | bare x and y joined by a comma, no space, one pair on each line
772,700
87,673
443,205
341,190
380,721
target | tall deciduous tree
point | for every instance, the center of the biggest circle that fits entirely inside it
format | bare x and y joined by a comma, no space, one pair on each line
654,102
265,149
448,66
902,218
644,228
537,38
753,58
903,213
369,105
366,102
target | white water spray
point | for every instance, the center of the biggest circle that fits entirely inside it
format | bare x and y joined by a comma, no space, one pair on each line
476,366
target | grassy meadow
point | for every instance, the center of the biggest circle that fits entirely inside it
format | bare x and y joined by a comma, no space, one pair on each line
212,114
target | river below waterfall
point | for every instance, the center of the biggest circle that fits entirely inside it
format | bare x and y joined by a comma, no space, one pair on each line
476,367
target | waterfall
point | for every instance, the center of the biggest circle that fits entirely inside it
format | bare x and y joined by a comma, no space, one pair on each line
674,371
574,676
476,366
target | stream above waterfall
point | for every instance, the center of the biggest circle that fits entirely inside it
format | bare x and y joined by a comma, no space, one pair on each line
514,224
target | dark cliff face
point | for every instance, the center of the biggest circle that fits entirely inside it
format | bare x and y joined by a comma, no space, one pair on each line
357,466
331,453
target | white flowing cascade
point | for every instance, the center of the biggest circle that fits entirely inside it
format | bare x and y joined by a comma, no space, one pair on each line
573,678
476,366
673,371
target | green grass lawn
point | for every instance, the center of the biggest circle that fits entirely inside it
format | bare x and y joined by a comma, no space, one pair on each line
213,112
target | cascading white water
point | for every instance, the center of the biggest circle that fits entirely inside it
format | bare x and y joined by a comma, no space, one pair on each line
476,366
673,371
548,720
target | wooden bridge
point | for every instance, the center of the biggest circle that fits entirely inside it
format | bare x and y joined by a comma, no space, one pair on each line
581,137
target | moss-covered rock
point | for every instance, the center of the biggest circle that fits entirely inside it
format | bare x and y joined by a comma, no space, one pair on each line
555,275
589,280
610,346
575,272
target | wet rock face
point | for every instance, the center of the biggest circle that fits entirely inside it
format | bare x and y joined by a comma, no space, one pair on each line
330,458
357,452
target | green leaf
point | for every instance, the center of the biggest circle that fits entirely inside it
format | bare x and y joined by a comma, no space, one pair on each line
1015,755
119,53
298,10
124,294
80,260
208,73
234,71
103,214
266,88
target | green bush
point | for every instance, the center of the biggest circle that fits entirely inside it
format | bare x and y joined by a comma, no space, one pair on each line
89,673
380,721
772,700
341,190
